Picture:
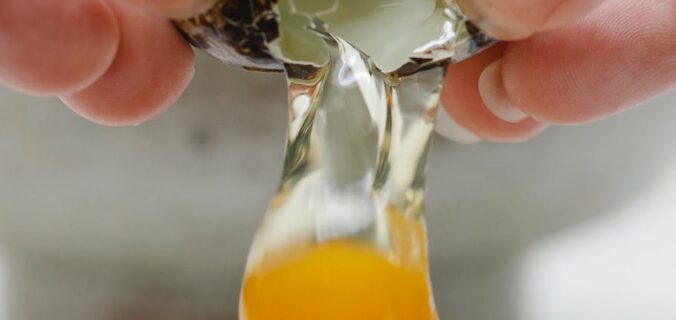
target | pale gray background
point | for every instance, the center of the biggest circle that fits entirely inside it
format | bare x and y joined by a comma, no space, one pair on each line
154,222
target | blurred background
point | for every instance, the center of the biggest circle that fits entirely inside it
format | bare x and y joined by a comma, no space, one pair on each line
154,222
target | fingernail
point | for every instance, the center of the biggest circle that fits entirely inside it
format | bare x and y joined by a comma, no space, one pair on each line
450,129
494,95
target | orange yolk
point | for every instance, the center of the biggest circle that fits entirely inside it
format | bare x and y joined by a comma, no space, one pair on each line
338,280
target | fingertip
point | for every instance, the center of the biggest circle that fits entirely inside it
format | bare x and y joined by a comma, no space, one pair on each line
532,79
492,22
494,96
485,126
610,61
55,47
151,70
451,130
463,102
519,19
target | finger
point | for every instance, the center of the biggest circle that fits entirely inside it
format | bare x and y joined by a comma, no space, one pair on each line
447,127
176,8
152,68
518,19
463,103
619,56
55,47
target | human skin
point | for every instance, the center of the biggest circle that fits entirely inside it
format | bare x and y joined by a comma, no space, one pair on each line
564,61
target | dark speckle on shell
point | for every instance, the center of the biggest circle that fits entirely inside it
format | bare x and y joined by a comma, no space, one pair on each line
236,32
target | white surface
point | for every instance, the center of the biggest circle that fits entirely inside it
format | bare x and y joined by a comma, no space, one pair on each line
4,285
622,267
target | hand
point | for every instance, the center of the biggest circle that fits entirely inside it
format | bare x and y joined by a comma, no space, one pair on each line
570,68
570,62
114,62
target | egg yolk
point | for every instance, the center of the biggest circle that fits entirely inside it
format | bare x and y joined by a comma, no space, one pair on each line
339,280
